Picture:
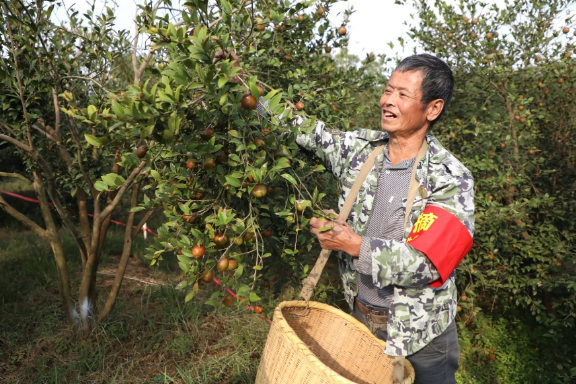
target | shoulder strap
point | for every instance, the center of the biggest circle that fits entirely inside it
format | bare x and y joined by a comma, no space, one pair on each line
310,282
413,182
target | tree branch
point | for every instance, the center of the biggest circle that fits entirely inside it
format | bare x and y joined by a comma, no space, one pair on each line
141,224
15,175
17,143
23,219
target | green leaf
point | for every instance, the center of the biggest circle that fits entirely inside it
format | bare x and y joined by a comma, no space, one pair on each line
101,186
137,209
234,133
239,271
254,297
155,175
289,178
92,140
326,228
233,181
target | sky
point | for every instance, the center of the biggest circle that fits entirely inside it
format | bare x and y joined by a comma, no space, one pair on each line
371,27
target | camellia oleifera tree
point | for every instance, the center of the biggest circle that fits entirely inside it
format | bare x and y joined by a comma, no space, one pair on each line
236,192
46,69
512,124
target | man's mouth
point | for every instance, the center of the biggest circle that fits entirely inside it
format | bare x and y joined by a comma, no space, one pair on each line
389,115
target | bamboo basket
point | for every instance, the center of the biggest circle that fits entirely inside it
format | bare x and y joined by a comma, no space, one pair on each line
323,345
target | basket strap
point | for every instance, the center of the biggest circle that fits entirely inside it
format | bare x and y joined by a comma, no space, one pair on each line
413,182
398,372
310,282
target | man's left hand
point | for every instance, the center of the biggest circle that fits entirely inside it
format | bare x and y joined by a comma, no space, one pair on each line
340,238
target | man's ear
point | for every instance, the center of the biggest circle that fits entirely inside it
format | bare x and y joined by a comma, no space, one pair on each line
434,109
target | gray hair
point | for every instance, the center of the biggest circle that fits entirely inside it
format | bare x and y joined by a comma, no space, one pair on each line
438,81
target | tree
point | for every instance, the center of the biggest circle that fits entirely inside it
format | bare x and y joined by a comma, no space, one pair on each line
231,181
511,124
45,70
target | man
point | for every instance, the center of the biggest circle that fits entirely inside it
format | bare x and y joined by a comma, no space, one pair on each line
398,272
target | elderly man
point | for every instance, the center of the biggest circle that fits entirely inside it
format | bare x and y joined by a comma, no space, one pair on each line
399,250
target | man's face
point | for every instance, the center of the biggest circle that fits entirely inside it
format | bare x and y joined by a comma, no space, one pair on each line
402,112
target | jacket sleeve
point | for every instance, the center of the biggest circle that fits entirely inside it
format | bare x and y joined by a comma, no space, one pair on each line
326,144
398,263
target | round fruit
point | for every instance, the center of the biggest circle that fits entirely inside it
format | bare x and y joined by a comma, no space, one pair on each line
474,21
299,105
491,257
531,151
334,107
261,27
320,10
270,190
207,277
458,308
220,239
222,264
261,91
238,241
228,300
248,236
208,164
189,218
167,135
342,30
198,195
232,264
206,134
560,80
300,17
141,151
258,142
463,298
258,309
266,131
565,30
198,251
328,49
300,206
521,108
466,19
222,157
267,233
473,35
523,120
249,102
190,164
517,118
488,35
259,191
288,57
324,80
502,145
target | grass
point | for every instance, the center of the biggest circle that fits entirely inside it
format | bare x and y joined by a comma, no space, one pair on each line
152,336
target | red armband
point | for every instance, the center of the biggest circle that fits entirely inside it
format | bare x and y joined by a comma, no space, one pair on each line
442,238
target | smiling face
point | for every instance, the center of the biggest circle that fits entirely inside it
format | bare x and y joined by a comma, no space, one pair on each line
402,111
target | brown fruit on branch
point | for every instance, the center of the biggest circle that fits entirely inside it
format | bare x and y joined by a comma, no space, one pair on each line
222,157
258,142
190,164
463,297
565,30
300,17
321,10
220,240
199,194
270,190
206,134
334,107
474,21
324,80
232,264
208,164
267,233
248,236
265,131
261,91
342,30
560,80
141,151
328,49
207,277
261,27
259,191
299,105
189,218
222,264
228,300
488,35
473,35
249,102
198,251
258,309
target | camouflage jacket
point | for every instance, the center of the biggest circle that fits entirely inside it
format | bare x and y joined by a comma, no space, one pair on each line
418,312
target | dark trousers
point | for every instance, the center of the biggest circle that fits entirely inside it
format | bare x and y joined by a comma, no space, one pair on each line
436,363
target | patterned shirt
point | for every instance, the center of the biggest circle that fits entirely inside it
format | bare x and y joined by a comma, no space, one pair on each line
387,222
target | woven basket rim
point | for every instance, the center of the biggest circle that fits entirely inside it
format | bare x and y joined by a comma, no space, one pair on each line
281,321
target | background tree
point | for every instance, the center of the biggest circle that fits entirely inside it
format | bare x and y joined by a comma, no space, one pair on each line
512,124
44,68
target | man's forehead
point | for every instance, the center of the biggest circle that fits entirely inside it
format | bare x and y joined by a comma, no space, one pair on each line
407,80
